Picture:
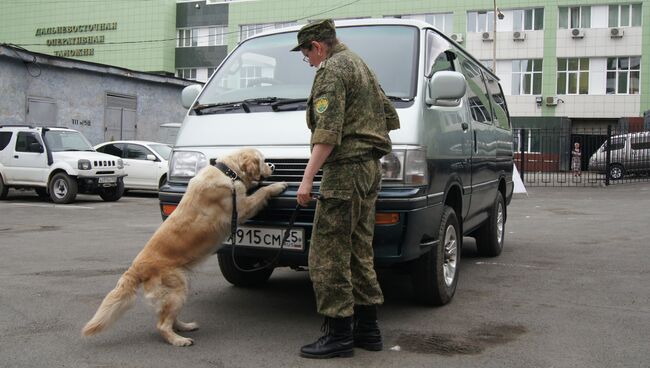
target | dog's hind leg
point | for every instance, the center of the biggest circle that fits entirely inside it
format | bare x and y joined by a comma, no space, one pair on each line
169,292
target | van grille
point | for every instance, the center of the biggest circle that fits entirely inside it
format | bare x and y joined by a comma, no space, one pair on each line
290,170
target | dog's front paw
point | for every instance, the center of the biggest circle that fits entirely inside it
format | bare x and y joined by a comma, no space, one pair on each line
277,188
182,341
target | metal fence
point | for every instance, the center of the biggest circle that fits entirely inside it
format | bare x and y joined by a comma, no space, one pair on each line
581,157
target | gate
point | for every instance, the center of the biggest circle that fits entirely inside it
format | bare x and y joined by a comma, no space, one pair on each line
120,118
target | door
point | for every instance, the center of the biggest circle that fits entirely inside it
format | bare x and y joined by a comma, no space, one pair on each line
41,111
120,117
26,164
142,173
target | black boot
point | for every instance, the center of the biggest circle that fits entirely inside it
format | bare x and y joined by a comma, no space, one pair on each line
366,330
337,341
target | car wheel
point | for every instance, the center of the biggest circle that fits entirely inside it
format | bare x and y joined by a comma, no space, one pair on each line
112,194
616,171
490,236
435,274
241,278
3,189
42,193
63,189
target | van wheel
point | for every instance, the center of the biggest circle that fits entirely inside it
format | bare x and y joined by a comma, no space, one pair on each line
63,189
490,236
241,278
112,194
616,171
435,274
3,189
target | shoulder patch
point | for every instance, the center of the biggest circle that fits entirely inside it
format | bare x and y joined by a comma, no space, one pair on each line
321,105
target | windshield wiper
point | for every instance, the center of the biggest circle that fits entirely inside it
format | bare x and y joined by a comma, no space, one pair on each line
287,101
198,108
401,99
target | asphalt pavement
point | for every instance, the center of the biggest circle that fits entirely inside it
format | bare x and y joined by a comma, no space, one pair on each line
571,289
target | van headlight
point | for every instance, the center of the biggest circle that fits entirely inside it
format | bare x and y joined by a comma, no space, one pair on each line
408,166
184,165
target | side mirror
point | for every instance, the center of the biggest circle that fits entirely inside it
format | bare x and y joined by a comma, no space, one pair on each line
36,147
151,157
189,94
445,88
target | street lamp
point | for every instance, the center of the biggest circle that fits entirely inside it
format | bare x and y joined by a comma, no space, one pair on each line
497,13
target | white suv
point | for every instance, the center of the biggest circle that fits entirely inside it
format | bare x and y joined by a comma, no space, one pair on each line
58,163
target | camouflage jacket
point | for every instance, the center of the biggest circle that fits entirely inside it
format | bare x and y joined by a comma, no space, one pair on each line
347,108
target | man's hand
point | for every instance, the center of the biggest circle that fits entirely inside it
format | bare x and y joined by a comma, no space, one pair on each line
319,154
304,192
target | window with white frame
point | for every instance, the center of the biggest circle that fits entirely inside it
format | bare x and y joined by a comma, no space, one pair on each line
216,36
628,15
480,21
530,138
527,77
575,17
186,73
442,21
623,75
187,37
211,71
528,19
573,76
249,73
249,30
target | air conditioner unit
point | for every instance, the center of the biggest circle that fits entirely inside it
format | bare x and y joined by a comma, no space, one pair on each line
519,36
577,33
616,33
551,101
458,37
487,36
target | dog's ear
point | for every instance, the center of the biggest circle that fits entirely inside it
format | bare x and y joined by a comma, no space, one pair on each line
251,165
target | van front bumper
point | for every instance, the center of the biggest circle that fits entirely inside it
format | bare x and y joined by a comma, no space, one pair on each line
401,241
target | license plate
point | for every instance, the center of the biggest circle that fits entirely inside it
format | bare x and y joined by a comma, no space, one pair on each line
107,179
267,237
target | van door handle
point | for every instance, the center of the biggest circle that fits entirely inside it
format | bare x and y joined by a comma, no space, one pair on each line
465,126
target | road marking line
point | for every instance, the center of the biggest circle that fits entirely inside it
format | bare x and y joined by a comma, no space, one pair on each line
53,206
508,264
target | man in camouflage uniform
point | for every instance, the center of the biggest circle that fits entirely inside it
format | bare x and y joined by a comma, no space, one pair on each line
349,117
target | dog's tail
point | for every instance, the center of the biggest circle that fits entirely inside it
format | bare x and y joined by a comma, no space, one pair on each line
118,301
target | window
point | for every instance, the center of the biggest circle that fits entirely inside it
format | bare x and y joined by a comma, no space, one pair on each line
628,15
187,38
249,74
442,21
482,21
532,141
250,30
573,76
623,75
477,94
5,137
527,77
216,36
114,149
136,152
186,73
498,102
617,144
528,19
211,71
24,140
575,17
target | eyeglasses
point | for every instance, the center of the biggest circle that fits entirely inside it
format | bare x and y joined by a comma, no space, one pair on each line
305,59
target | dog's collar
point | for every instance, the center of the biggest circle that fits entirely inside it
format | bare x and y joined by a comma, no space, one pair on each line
226,170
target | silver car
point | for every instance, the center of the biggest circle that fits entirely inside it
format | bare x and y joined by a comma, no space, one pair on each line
629,153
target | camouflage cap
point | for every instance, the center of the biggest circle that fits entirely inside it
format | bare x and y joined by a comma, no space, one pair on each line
315,31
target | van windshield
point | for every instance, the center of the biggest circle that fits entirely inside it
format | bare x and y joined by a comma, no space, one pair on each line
264,68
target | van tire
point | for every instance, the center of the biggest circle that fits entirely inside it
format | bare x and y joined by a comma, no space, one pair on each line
240,278
63,189
112,194
489,237
3,189
616,172
430,286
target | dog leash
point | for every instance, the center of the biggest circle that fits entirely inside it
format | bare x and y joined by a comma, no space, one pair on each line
233,235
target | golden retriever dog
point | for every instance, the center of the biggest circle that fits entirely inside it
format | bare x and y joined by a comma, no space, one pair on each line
200,223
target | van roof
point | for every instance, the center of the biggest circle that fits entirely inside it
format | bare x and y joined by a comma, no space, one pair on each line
383,21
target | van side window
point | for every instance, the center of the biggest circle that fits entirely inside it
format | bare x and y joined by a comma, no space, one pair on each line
479,103
438,56
5,137
616,144
499,108
23,141
636,143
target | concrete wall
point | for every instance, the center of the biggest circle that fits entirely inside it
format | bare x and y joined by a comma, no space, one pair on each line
81,95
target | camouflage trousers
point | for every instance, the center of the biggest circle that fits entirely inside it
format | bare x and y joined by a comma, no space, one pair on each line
341,255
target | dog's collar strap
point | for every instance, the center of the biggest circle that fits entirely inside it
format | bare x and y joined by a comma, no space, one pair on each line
226,170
